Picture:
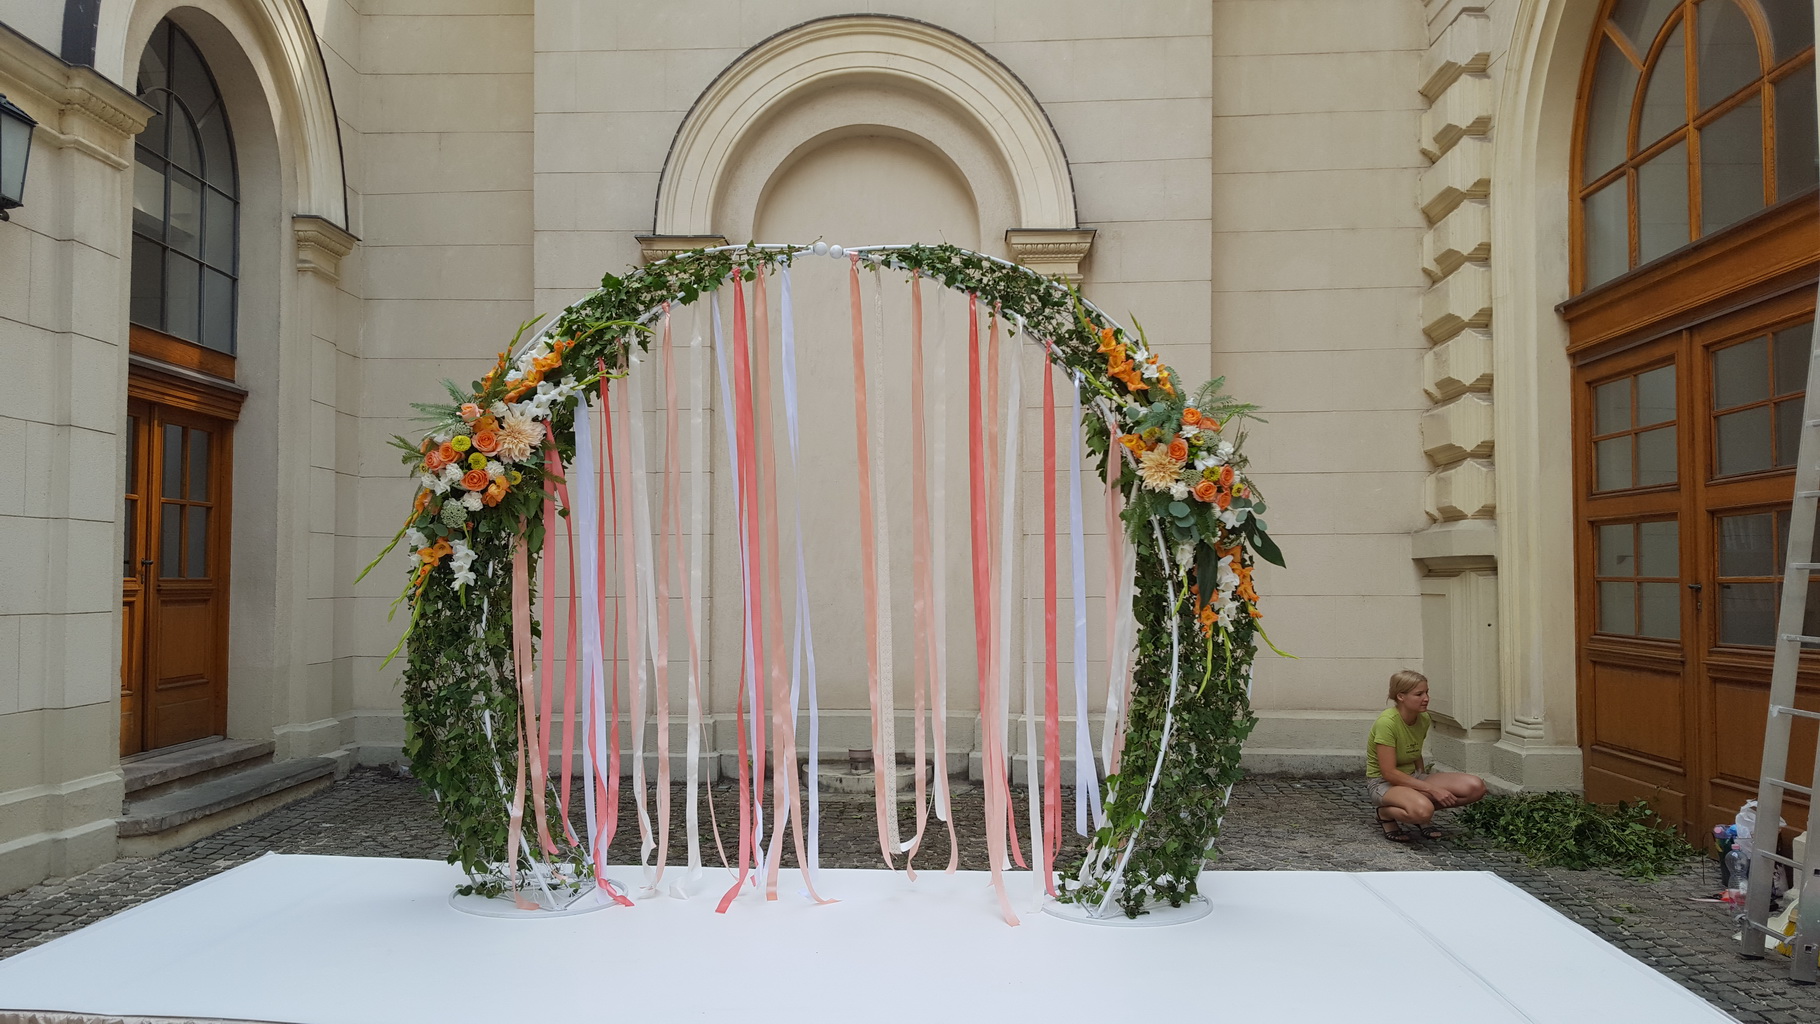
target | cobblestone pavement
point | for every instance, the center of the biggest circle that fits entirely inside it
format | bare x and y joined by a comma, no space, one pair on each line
1275,823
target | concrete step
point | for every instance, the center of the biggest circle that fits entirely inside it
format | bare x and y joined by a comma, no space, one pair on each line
160,771
180,816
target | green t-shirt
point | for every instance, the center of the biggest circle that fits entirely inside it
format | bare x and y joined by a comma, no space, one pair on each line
1391,730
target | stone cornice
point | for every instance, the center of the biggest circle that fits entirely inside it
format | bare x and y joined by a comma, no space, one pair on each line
76,108
1052,252
661,247
321,246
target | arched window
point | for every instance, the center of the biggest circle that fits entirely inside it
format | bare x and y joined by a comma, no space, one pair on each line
1695,115
185,199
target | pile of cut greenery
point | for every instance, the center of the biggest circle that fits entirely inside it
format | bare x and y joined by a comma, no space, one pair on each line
1563,830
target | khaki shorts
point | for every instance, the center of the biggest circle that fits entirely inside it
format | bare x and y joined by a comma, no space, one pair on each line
1377,787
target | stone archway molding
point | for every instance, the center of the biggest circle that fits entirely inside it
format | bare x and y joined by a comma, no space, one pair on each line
827,52
285,43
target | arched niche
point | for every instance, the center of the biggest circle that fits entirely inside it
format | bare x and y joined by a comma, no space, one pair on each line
907,77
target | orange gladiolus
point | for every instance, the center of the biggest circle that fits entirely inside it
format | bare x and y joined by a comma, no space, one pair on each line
1178,450
486,442
1191,417
422,502
475,479
1206,491
1134,442
1108,340
486,422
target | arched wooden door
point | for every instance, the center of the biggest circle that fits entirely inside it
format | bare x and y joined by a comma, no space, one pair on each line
1696,251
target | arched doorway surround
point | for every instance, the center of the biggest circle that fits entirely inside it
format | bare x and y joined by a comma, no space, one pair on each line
1694,244
825,76
292,211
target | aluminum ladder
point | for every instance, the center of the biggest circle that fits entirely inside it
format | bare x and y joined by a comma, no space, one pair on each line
1773,779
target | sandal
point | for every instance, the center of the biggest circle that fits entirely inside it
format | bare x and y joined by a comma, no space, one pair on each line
1430,831
1393,829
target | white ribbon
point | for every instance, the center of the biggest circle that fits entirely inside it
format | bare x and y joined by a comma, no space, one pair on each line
938,551
803,638
695,471
641,610
1086,779
881,551
1010,553
583,478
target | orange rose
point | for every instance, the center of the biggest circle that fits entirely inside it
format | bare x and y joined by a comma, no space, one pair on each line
475,479
1191,417
495,493
433,461
1224,499
1206,491
447,453
1226,475
1178,450
486,442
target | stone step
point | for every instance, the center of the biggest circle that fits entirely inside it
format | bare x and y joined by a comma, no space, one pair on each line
177,817
159,771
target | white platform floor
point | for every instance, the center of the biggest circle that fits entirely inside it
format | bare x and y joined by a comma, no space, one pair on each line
340,940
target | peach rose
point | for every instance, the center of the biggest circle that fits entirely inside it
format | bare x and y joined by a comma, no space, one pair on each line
433,461
470,412
1206,491
486,442
475,479
1178,450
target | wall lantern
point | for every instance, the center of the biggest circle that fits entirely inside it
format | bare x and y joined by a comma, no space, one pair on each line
15,149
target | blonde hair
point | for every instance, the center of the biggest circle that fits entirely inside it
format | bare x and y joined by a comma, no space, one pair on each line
1404,681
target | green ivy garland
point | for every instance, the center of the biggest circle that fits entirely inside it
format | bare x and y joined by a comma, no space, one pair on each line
1193,518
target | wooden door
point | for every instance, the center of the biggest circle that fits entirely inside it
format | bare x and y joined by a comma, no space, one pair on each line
1685,469
174,595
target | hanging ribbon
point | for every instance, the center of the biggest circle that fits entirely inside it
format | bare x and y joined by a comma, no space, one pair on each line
524,725
635,549
786,798
803,637
689,578
1052,712
659,580
978,498
1007,562
938,555
922,653
883,799
1086,780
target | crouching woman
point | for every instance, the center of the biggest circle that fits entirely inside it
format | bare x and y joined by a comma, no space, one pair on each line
1405,792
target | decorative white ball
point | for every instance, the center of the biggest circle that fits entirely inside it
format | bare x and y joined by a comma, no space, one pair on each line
836,251
819,248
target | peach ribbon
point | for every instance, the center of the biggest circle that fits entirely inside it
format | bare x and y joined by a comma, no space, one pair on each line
978,497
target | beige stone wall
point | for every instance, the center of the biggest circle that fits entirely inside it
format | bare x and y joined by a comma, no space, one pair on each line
63,333
440,159
1315,289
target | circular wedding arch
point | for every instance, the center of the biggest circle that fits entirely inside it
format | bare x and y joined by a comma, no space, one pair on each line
1194,520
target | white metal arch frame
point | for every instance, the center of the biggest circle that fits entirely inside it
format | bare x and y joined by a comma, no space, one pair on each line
820,54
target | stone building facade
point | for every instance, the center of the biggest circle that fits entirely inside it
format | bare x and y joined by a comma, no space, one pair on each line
1359,212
